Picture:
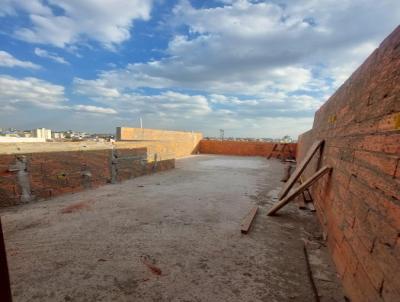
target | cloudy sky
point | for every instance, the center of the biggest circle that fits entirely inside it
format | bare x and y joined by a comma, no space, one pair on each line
252,68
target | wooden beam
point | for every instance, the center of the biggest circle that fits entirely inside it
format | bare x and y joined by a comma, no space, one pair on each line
281,203
296,174
246,223
301,203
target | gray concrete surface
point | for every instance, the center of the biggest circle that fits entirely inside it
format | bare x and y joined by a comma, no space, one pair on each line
171,236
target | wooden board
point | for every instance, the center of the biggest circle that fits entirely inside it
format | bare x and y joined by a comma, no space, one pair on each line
247,221
281,203
300,168
307,197
301,203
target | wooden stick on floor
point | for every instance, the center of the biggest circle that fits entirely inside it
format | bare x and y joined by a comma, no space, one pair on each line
246,223
281,203
296,174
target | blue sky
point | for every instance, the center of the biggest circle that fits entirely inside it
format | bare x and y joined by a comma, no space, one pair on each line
253,68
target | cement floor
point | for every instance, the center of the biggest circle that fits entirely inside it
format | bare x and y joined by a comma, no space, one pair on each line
171,236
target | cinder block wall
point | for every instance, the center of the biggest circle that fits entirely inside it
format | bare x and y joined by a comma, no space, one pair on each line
359,204
242,148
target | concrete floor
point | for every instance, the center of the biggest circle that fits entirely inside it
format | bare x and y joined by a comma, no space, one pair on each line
171,236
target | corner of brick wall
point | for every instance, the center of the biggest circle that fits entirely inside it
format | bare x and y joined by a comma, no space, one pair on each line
359,205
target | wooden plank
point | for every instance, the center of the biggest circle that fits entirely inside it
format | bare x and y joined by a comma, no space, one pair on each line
310,274
247,221
307,197
300,168
281,203
301,203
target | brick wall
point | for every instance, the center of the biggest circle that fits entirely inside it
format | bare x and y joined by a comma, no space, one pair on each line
243,148
359,204
76,168
129,134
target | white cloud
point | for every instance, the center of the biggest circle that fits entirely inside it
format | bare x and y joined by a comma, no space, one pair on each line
254,48
168,103
18,94
94,88
30,90
94,109
7,60
49,55
105,21
255,68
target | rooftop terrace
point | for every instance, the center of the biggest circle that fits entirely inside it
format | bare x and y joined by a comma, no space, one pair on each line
169,236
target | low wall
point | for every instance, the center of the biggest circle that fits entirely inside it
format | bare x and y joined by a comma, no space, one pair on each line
243,148
358,205
39,171
181,143
129,134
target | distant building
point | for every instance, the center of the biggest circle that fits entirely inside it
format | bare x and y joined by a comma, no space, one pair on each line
42,133
58,135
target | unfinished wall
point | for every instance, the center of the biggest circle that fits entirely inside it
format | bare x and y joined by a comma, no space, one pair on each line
181,143
359,204
243,148
35,171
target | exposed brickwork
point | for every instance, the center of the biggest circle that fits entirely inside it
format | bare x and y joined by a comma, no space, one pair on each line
55,173
9,191
143,134
359,205
243,148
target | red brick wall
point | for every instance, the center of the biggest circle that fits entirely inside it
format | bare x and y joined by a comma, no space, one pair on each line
54,173
243,148
359,204
9,191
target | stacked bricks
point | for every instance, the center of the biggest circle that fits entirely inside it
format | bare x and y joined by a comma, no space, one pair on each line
242,148
358,205
55,173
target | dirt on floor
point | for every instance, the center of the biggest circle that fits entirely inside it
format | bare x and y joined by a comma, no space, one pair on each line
171,236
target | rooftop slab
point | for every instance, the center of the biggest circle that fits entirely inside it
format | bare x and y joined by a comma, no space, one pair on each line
171,236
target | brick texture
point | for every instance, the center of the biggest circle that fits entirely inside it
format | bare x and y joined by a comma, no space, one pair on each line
242,148
56,173
58,168
143,134
359,204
